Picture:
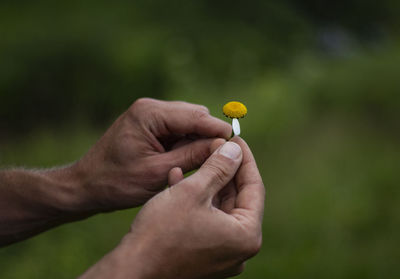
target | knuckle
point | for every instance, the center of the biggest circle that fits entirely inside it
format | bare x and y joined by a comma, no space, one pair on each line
140,103
190,158
253,245
199,113
204,108
141,108
144,101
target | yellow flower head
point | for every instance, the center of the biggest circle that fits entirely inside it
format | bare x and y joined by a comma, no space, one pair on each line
234,110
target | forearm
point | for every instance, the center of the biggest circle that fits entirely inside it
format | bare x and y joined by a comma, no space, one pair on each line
33,201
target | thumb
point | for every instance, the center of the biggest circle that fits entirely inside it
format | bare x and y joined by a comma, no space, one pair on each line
191,155
219,169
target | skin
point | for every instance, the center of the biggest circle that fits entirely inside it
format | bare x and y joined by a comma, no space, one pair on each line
203,226
126,167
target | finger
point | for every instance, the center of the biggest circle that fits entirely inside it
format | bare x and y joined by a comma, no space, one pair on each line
181,142
189,139
175,175
227,197
190,156
216,202
219,169
251,191
185,118
216,144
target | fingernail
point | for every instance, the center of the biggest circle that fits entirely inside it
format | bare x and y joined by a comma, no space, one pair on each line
230,150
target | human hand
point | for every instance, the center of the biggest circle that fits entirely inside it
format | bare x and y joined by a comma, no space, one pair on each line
130,163
203,226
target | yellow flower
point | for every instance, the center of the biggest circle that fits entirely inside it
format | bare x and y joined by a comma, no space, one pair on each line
234,110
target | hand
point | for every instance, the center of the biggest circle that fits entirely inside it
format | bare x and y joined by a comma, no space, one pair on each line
204,226
130,163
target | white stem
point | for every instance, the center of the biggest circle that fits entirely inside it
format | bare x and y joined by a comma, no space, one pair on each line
236,126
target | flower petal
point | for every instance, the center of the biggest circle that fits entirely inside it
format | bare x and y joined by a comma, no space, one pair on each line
236,126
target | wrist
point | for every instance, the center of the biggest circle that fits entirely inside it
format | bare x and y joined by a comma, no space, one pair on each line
125,261
72,196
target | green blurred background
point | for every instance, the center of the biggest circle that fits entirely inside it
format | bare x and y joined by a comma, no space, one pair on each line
321,82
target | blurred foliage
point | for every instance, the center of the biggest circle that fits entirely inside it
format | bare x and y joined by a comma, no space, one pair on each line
74,59
321,83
